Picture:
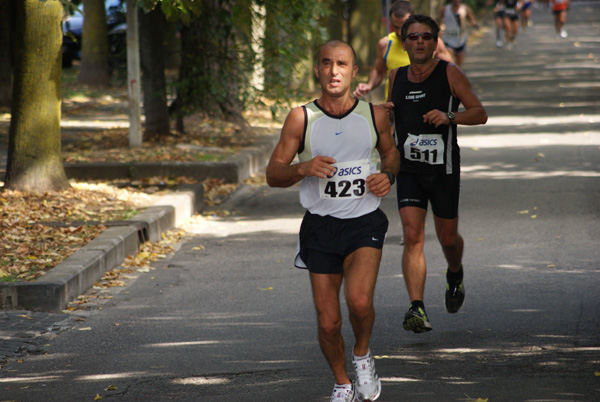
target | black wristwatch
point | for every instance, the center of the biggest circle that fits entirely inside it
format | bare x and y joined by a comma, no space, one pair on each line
451,117
390,176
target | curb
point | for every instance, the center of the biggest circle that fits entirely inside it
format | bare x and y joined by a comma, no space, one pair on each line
76,274
235,169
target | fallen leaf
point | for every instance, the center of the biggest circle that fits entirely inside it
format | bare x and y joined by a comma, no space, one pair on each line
98,397
111,388
85,329
269,288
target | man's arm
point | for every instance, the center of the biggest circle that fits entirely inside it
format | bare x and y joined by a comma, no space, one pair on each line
379,183
280,171
460,86
471,17
378,72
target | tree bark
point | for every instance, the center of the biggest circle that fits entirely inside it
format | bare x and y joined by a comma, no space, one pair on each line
6,52
95,70
154,84
34,159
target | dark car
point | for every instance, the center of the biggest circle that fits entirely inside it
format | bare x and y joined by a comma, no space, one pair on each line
73,30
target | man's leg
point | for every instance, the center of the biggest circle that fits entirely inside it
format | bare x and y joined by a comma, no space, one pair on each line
414,268
451,241
413,258
326,291
360,270
453,246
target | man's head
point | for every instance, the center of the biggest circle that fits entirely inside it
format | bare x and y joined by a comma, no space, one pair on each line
399,13
335,68
420,19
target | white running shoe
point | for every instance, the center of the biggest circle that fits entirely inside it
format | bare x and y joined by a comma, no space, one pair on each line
499,43
343,393
368,385
563,34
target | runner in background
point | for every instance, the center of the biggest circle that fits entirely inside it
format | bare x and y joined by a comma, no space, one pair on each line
454,17
559,9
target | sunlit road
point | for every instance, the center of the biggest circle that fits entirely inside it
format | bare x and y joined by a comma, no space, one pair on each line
228,318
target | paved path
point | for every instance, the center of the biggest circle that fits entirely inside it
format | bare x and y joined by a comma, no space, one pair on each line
227,318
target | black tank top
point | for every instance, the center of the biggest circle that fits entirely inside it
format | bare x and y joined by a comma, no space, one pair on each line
423,147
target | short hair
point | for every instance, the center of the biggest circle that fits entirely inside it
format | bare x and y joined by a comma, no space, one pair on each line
400,8
420,19
334,43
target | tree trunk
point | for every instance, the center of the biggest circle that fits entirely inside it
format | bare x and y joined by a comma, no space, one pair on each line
6,52
210,76
34,160
95,70
154,85
365,30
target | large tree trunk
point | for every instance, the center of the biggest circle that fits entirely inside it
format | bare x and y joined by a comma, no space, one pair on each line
211,73
95,69
6,46
34,160
154,85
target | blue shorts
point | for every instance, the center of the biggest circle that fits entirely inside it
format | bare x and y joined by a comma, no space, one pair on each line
441,190
325,241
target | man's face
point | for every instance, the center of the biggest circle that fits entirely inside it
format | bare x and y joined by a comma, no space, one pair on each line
419,50
336,69
397,22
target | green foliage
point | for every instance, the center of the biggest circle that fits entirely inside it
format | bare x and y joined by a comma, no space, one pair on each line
293,33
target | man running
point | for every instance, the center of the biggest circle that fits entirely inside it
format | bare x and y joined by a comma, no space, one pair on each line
338,139
426,95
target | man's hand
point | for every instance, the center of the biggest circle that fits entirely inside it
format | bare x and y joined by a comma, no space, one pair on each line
379,184
361,90
436,118
319,166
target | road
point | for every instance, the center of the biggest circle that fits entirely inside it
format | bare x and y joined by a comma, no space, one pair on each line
228,318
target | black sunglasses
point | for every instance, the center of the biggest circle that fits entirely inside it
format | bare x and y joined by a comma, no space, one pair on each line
424,35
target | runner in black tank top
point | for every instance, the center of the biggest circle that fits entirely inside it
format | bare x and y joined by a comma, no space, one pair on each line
412,101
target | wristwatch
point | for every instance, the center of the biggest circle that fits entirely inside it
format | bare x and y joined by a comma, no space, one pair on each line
390,176
451,117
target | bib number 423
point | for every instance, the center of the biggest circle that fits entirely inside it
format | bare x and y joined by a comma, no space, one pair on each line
345,188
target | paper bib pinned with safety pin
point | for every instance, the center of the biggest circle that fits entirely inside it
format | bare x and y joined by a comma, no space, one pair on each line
348,182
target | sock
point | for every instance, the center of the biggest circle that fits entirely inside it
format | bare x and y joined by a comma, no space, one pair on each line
361,357
454,277
416,304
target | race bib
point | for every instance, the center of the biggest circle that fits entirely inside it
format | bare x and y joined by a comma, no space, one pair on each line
428,148
348,182
452,34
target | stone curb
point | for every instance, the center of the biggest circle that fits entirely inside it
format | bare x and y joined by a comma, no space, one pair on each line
233,170
76,274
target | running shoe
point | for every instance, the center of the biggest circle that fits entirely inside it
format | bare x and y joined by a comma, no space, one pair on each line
563,34
416,320
455,296
499,43
368,385
343,393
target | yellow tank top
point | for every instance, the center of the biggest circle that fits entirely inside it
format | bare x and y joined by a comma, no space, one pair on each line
394,56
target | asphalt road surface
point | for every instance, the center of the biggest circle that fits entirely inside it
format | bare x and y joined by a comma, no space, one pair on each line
228,318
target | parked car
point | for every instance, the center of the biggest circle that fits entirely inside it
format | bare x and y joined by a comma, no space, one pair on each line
73,30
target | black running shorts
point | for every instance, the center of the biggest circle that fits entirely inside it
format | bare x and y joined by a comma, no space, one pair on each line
441,190
326,241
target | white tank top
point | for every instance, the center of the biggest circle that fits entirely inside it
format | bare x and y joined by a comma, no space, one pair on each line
455,34
351,140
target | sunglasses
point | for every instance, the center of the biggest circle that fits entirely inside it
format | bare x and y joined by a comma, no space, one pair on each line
416,36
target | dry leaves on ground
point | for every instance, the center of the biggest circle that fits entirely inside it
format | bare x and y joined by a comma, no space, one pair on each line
29,247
